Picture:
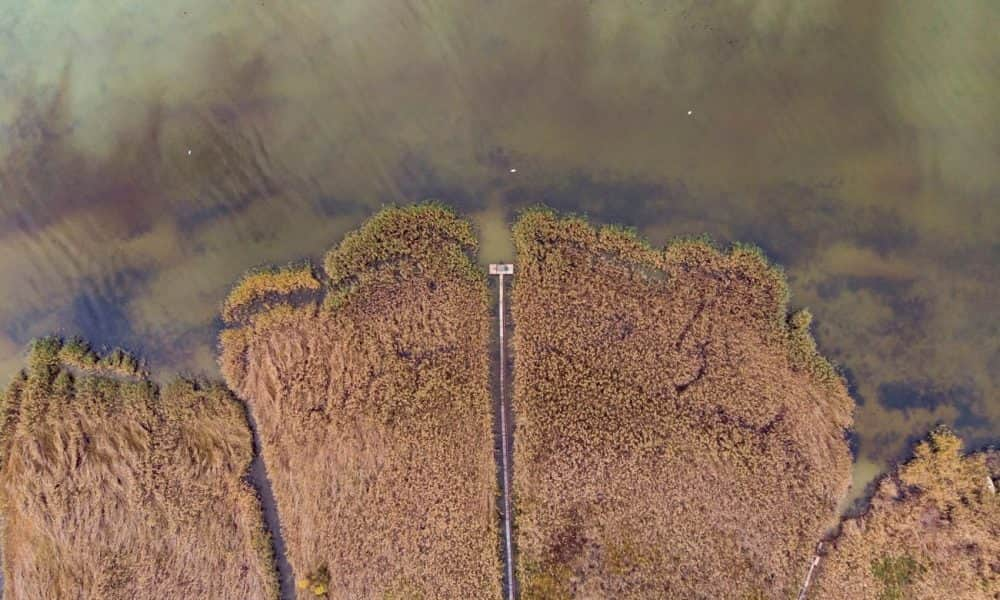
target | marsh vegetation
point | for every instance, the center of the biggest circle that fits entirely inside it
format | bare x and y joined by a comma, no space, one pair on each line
932,531
677,434
373,407
112,488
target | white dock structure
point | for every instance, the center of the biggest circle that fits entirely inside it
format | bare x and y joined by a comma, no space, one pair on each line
500,270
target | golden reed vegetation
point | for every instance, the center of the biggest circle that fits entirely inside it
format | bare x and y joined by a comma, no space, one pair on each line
257,286
677,436
932,532
373,408
113,489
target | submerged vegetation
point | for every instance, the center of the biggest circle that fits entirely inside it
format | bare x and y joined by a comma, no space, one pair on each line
677,435
111,488
932,531
373,409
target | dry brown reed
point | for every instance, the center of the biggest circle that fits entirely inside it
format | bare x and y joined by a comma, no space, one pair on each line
259,285
76,354
932,532
112,489
373,408
677,435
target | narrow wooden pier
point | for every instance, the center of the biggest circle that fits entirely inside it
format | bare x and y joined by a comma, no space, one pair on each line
510,586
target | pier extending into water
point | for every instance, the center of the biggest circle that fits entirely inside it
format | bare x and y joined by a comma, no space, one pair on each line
505,434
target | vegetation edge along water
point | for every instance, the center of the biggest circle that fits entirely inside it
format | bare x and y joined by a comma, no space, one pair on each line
365,249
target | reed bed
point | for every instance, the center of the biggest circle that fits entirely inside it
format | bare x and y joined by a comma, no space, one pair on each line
258,286
76,353
373,407
932,531
111,488
677,435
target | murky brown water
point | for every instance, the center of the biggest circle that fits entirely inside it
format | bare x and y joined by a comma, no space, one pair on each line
150,154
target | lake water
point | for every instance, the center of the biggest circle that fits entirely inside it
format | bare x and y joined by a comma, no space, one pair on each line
150,153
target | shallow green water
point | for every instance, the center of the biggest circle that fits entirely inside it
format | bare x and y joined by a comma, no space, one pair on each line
150,154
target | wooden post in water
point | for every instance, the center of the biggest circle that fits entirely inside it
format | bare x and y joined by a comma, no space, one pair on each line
500,270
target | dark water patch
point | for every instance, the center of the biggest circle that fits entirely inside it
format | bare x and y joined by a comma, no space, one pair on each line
338,206
790,221
35,161
195,164
774,218
852,383
909,314
796,219
632,203
969,418
909,309
881,228
178,353
417,179
896,447
21,328
829,289
46,175
853,442
99,318
903,395
229,167
970,423
205,214
99,311
494,157
887,287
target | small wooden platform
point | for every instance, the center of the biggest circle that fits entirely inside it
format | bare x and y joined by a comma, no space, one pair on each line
501,269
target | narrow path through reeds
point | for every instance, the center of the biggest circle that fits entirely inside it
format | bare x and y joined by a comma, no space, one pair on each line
272,522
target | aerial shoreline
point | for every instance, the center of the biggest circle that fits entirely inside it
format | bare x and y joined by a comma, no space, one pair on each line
632,366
